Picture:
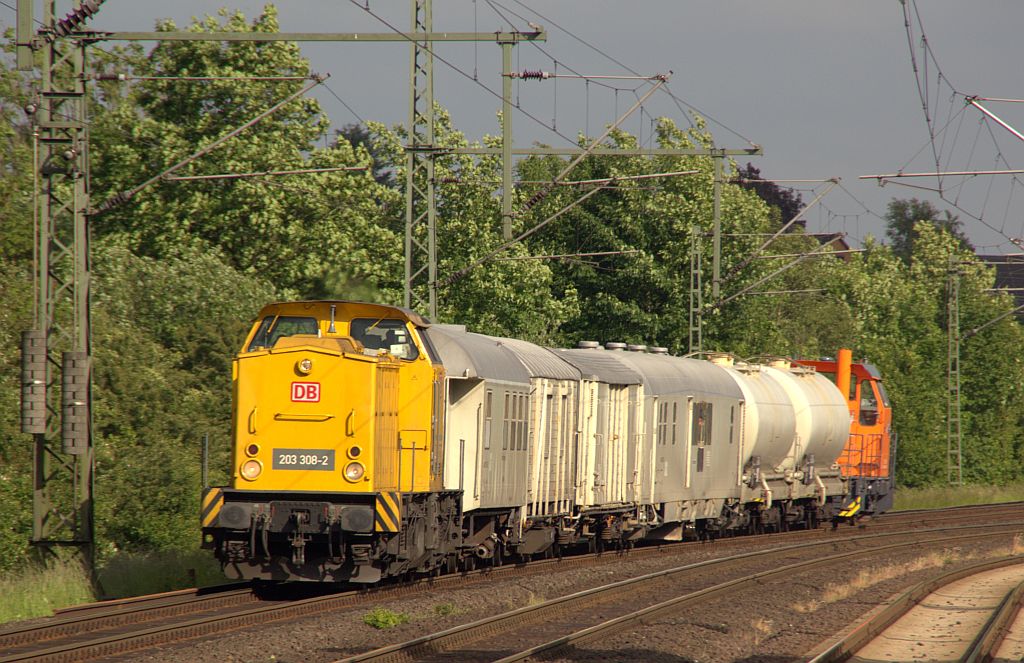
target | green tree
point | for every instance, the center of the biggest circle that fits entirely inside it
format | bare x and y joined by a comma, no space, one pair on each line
501,296
298,233
359,136
786,201
15,159
16,301
902,218
642,294
900,311
164,333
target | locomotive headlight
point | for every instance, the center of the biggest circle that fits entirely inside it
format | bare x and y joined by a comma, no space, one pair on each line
304,366
354,471
251,469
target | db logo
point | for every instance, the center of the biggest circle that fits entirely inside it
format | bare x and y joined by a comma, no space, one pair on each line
306,392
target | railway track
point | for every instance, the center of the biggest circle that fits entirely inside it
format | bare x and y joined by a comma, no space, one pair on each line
971,614
561,624
163,618
114,627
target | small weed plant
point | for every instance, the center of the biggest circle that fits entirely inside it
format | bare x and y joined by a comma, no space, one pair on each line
444,609
382,618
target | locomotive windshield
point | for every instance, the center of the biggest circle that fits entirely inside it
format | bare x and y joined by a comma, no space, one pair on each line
273,328
383,334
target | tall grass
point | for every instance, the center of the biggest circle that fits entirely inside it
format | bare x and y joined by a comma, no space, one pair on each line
37,590
137,574
943,496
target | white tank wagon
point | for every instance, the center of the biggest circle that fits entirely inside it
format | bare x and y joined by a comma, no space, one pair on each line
795,427
822,429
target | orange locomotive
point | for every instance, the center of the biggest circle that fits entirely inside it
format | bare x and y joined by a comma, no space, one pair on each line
867,460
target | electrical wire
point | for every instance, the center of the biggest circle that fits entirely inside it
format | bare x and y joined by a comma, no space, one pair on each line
951,195
342,102
460,71
667,89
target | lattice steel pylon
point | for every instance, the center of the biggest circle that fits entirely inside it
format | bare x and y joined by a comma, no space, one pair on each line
954,437
696,338
56,355
420,204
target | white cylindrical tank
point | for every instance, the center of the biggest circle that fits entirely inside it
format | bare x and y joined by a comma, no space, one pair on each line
769,423
822,418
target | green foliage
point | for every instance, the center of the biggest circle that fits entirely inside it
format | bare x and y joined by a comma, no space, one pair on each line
164,332
15,158
642,295
509,297
292,231
903,216
15,447
382,618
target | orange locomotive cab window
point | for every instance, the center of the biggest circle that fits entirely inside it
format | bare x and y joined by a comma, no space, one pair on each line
868,403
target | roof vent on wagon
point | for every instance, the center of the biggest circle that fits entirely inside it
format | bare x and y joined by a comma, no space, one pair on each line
588,345
634,347
721,359
615,346
657,350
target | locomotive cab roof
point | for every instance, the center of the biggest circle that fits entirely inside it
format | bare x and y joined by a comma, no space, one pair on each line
383,310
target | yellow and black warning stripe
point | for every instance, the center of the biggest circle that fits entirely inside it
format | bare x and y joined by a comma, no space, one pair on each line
213,500
388,514
851,509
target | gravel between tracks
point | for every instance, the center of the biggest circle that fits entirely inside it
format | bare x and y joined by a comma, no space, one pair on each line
764,628
767,627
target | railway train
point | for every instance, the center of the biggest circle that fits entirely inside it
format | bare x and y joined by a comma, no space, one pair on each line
369,443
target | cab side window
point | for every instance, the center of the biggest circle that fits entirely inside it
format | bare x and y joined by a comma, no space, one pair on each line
868,404
391,336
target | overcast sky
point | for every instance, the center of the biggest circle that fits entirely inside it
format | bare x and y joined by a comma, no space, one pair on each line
825,86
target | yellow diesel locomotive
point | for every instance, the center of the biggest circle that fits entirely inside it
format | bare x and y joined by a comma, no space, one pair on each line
369,443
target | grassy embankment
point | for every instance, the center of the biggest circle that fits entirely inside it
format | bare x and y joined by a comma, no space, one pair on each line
942,496
36,591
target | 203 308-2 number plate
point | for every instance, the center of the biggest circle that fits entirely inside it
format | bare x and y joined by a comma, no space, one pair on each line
304,459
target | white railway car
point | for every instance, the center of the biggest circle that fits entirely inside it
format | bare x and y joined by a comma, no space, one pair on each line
608,446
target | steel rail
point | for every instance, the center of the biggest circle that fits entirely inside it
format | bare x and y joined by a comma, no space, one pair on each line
987,642
123,612
97,617
451,638
106,604
639,617
867,631
962,507
118,615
